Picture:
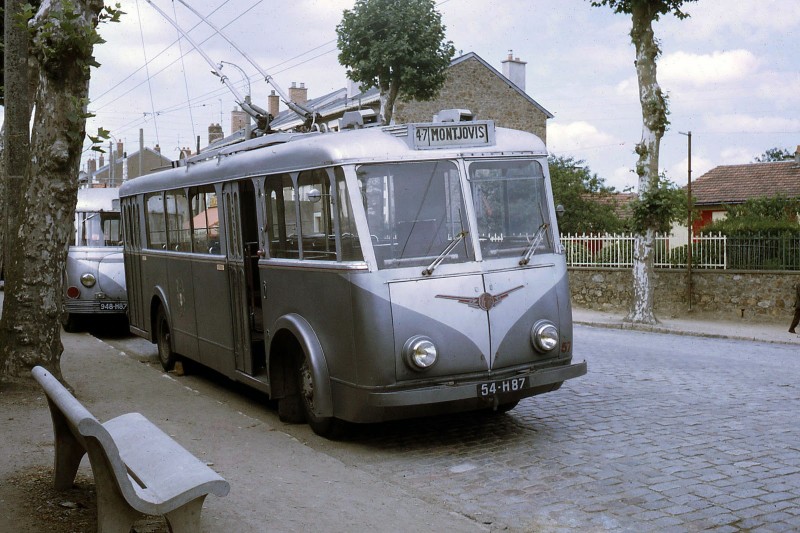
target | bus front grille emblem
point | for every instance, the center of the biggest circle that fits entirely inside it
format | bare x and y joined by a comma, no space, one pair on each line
485,301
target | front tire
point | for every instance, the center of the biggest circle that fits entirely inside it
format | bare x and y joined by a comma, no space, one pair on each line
164,341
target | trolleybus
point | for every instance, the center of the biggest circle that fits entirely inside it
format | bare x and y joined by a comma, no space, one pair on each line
361,275
94,278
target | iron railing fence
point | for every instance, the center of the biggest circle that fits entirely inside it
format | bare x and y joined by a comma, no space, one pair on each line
755,251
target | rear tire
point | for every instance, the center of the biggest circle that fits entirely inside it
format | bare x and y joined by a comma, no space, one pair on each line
164,341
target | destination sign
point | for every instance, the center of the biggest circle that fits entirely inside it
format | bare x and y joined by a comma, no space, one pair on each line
458,134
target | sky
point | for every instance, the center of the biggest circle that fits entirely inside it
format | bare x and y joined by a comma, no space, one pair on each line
731,70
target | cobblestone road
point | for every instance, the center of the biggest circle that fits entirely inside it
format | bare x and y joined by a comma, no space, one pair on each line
665,433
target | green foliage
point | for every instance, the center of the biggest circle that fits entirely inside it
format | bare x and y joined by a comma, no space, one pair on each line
657,7
397,46
577,253
701,254
582,194
773,155
63,34
773,214
658,207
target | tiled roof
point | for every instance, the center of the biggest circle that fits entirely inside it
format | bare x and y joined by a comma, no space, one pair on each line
733,184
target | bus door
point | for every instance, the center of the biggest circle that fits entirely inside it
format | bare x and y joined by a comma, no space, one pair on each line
133,267
241,229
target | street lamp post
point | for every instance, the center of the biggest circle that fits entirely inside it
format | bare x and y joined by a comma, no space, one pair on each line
689,221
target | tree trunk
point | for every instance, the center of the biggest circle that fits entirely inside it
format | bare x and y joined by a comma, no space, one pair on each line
30,329
388,96
16,154
654,123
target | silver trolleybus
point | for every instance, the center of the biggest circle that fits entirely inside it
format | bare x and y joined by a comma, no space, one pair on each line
360,276
94,278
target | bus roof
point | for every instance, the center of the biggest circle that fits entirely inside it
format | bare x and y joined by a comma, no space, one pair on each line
98,199
285,152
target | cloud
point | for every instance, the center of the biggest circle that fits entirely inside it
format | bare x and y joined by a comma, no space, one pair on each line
577,136
748,124
706,69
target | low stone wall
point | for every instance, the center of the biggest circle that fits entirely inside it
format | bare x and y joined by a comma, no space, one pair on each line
766,296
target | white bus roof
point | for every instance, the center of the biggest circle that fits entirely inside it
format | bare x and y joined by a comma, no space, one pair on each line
286,152
98,199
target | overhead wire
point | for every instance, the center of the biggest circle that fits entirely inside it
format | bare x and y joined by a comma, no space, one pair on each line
183,68
147,70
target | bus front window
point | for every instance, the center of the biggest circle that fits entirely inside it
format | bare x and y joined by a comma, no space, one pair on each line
414,210
511,207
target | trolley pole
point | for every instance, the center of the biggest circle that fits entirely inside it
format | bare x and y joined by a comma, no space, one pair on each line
689,222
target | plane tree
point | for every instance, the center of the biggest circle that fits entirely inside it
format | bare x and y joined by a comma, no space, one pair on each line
397,46
60,38
654,123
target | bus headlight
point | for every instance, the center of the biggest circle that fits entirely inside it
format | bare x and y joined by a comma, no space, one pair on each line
88,280
420,352
544,336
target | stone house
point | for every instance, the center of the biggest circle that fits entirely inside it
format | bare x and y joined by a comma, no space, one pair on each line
734,184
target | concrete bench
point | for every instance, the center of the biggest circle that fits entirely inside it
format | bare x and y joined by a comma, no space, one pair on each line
137,467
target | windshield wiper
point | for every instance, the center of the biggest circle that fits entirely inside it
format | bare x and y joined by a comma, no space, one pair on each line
526,257
449,248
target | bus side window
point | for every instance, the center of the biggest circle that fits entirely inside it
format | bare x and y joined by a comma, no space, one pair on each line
156,221
281,217
351,246
205,220
316,210
178,221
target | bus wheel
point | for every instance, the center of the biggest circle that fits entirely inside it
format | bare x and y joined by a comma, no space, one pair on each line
71,322
164,341
325,426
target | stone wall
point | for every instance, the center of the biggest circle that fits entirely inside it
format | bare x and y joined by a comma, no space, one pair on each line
470,85
766,296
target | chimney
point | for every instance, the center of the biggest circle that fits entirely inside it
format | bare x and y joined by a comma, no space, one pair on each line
119,149
353,88
91,166
102,161
238,120
514,70
298,95
797,155
274,104
215,133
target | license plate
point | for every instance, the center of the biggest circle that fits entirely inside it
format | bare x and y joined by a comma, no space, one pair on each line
503,386
113,306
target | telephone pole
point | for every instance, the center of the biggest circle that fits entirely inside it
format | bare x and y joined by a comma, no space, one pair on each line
689,222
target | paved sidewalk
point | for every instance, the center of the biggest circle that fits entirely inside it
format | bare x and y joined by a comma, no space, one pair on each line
694,325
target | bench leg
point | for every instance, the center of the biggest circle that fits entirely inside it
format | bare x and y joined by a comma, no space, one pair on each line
68,451
186,518
114,514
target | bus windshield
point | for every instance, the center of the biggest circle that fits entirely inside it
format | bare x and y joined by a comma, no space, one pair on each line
98,229
511,207
414,211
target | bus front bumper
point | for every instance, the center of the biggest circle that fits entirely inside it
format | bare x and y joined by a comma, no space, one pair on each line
449,392
359,405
